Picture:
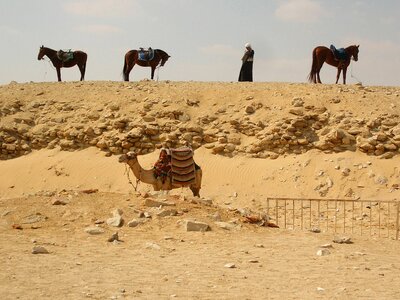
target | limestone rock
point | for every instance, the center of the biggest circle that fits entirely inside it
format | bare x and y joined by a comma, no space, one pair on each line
323,252
149,202
167,212
94,230
196,226
342,240
39,250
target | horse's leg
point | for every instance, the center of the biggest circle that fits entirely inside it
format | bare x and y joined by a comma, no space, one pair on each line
59,74
128,70
344,75
319,67
82,69
338,74
152,72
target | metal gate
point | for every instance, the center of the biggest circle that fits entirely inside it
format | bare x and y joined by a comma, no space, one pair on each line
378,218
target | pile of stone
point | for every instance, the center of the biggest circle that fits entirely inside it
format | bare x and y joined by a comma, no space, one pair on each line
25,127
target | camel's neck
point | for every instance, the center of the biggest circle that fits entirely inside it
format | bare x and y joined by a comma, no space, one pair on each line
143,175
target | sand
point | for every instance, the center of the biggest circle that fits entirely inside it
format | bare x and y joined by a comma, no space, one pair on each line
159,259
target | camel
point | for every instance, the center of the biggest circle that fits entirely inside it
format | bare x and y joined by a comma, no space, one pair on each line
147,176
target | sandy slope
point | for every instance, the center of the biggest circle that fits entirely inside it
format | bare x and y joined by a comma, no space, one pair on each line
159,259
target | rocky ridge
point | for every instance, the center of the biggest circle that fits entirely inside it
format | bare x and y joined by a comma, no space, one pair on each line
260,120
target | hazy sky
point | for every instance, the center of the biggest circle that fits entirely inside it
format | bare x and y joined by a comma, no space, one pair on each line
205,38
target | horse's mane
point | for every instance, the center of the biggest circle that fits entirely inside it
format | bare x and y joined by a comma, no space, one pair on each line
163,53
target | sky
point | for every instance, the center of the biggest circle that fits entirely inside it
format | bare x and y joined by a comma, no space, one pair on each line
205,38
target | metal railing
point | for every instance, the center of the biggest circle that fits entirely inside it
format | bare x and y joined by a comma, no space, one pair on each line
378,218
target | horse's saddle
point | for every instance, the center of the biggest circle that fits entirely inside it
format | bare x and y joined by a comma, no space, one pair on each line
65,56
177,164
146,54
339,54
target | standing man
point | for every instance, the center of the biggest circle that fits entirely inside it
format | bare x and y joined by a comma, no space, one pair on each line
246,72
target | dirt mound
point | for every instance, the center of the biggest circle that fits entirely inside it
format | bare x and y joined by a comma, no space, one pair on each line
261,120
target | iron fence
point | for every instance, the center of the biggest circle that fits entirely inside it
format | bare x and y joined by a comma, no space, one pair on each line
378,218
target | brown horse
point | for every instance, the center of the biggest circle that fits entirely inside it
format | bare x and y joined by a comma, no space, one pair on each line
79,58
132,58
323,54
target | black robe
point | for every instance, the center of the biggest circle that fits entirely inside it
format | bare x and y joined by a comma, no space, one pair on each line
246,72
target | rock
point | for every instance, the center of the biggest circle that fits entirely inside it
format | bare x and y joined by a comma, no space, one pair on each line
196,226
315,230
149,202
58,201
342,240
115,221
225,225
151,245
94,230
323,252
134,223
39,250
216,216
326,246
250,109
35,218
113,237
381,180
297,102
203,201
230,266
346,172
167,212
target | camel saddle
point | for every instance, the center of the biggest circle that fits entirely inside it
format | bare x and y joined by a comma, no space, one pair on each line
177,164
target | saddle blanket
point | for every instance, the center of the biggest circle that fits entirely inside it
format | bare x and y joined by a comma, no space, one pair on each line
146,55
340,54
178,165
65,55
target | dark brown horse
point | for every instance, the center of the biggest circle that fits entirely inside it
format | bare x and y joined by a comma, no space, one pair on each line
323,54
79,58
132,58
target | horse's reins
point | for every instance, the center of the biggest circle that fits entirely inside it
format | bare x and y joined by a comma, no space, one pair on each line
351,74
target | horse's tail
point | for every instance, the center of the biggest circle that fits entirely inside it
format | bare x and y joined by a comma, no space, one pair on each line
313,71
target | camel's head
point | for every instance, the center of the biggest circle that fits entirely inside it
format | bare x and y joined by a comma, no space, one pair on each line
124,158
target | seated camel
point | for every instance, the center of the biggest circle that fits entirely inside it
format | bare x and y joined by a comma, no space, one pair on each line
183,173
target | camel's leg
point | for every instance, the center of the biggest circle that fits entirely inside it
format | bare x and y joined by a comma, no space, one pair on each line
195,191
59,74
344,75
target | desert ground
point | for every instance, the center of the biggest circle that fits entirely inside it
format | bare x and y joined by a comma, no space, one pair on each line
63,191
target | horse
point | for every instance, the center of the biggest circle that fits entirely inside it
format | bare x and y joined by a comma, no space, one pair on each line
132,58
323,54
79,58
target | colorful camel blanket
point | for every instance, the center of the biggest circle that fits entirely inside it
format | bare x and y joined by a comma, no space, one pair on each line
177,165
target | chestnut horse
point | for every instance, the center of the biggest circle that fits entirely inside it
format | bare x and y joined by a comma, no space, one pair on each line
323,54
79,58
131,58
